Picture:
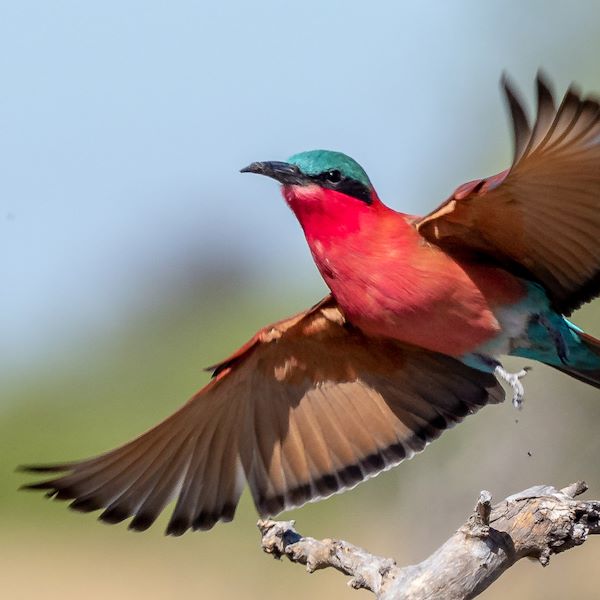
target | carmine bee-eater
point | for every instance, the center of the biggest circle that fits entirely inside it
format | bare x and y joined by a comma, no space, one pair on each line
407,344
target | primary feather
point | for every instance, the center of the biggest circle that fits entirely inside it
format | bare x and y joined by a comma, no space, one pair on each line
308,408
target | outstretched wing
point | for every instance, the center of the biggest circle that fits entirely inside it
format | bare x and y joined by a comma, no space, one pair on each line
540,218
309,407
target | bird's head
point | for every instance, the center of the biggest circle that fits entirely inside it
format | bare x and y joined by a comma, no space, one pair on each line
325,189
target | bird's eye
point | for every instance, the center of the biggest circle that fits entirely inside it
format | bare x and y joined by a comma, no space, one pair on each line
333,176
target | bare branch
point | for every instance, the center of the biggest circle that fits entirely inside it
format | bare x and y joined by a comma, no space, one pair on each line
535,523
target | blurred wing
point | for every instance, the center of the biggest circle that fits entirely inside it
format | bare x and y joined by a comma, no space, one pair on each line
309,407
541,218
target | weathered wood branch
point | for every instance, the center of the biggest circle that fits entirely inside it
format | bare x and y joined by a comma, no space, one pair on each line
535,523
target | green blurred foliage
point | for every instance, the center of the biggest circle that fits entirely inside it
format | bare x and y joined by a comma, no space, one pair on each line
117,385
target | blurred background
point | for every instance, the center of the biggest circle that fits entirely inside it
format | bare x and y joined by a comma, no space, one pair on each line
133,254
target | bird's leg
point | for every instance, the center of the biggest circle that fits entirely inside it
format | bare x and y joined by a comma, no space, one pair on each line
514,380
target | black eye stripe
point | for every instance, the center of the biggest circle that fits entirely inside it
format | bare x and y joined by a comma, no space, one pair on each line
354,188
334,180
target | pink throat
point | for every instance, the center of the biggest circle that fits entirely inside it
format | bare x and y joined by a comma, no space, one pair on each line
328,216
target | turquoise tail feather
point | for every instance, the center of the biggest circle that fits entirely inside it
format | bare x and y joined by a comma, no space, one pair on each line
587,375
548,337
582,356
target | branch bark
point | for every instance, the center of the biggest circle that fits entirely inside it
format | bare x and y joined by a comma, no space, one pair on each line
535,523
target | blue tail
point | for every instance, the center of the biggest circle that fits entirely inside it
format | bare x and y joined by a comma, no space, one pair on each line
570,350
587,375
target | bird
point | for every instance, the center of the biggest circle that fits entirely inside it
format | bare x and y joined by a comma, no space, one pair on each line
406,344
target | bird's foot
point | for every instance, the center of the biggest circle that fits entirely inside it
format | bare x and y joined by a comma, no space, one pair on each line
514,380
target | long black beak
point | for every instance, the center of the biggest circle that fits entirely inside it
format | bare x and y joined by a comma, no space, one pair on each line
285,173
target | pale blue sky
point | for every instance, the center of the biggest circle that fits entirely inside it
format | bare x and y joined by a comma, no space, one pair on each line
123,126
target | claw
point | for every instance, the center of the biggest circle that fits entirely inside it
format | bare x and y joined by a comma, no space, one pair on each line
514,380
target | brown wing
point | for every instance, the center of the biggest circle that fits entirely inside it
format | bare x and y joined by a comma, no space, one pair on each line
541,218
309,407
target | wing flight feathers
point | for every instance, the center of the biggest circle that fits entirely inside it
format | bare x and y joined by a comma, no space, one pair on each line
540,218
308,408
